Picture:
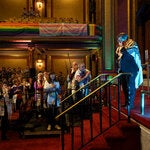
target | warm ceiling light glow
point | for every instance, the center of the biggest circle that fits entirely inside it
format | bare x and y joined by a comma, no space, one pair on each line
39,63
20,41
39,5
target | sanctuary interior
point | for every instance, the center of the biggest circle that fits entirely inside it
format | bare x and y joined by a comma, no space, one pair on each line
48,35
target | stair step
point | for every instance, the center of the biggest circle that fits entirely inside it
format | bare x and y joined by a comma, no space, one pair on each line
133,133
115,138
119,137
122,136
97,144
114,134
29,133
125,126
40,133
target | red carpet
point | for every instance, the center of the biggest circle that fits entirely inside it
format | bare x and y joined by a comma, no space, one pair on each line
136,112
54,143
38,143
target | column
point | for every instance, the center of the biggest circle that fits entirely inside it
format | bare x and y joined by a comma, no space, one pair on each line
31,57
108,34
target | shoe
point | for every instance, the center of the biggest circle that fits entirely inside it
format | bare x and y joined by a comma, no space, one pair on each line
57,127
49,127
44,105
39,116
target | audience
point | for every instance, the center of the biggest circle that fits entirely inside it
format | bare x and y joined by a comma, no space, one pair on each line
44,91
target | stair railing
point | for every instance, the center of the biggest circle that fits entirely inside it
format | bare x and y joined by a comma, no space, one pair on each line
146,73
101,89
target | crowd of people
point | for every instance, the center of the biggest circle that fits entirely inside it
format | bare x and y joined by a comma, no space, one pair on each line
43,91
12,81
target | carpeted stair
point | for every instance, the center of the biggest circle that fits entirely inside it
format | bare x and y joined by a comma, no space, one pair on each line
122,136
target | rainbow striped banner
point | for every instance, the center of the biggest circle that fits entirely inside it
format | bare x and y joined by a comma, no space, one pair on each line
21,29
48,29
94,30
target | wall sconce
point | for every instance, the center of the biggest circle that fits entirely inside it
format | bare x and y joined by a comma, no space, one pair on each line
39,4
39,63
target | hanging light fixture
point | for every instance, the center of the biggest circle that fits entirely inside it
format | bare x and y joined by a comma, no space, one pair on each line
39,4
39,63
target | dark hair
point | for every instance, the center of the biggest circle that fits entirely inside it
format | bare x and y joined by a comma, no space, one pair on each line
52,73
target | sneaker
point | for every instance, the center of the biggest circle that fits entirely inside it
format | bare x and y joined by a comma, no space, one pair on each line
44,105
39,116
57,127
49,127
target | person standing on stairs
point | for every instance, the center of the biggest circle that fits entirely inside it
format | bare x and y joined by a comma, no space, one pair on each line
71,88
129,62
82,77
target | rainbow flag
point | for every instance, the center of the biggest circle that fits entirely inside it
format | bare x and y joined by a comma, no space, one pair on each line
49,29
94,30
19,29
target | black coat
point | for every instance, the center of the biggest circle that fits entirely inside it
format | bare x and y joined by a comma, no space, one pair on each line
127,63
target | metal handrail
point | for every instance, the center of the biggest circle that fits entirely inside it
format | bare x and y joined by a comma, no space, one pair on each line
80,101
148,74
83,87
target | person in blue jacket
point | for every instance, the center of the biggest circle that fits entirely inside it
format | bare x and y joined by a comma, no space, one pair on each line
129,62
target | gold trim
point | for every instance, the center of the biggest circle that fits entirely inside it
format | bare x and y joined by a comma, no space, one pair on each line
128,19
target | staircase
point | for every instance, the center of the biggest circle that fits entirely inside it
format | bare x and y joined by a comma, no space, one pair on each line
122,136
103,129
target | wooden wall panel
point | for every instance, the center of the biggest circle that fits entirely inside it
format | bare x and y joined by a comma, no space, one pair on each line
13,62
68,9
63,64
147,38
11,8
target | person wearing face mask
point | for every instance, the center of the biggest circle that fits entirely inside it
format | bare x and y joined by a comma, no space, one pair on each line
129,62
